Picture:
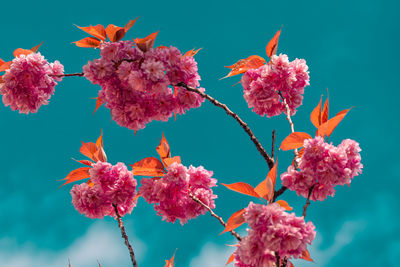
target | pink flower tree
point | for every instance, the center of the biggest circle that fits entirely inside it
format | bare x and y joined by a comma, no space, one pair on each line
140,83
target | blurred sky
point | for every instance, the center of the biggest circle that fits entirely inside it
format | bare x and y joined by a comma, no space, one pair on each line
351,47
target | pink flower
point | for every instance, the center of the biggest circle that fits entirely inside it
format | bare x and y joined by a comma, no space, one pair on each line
272,230
137,86
113,184
261,86
29,82
323,166
170,194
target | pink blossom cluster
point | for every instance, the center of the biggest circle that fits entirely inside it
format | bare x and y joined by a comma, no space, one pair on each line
111,185
261,86
323,166
29,82
272,230
171,193
139,87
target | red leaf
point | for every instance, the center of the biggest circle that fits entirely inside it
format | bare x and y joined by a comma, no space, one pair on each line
316,114
191,53
169,161
88,42
115,33
266,188
325,111
99,103
272,46
328,127
243,188
148,167
5,66
294,140
170,262
234,221
306,256
99,141
231,259
97,31
88,149
290,264
2,62
130,24
85,162
243,65
100,154
20,51
147,42
36,48
163,149
1,79
284,204
76,175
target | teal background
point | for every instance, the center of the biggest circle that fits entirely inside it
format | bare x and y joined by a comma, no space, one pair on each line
351,47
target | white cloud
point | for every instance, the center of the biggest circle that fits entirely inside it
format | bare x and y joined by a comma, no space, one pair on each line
101,242
212,255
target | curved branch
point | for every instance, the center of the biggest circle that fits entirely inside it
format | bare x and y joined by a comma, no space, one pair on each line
79,74
308,201
219,218
268,159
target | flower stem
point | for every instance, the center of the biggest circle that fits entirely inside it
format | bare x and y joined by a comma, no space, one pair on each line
125,236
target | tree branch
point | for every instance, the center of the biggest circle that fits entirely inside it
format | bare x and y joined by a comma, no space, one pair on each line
268,159
124,235
69,75
273,144
308,201
219,218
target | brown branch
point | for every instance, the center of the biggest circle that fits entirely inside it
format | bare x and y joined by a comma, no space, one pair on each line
268,159
79,74
296,152
273,144
278,259
279,192
308,201
219,218
125,236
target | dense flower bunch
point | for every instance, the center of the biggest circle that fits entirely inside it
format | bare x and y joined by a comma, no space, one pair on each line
170,194
29,82
136,85
272,230
261,86
109,185
324,166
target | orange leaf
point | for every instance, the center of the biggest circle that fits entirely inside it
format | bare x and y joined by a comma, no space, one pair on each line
76,175
36,48
316,114
2,62
150,166
130,24
99,141
1,79
136,197
325,111
243,65
20,51
85,162
328,127
306,256
97,31
163,149
265,188
294,140
5,66
100,154
290,264
169,161
88,149
230,260
115,33
191,53
147,42
170,262
99,102
234,221
243,188
88,42
272,46
284,204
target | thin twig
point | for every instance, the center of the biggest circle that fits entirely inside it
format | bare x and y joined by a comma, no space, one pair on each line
308,201
268,159
273,144
296,152
219,218
278,259
69,75
125,236
279,192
